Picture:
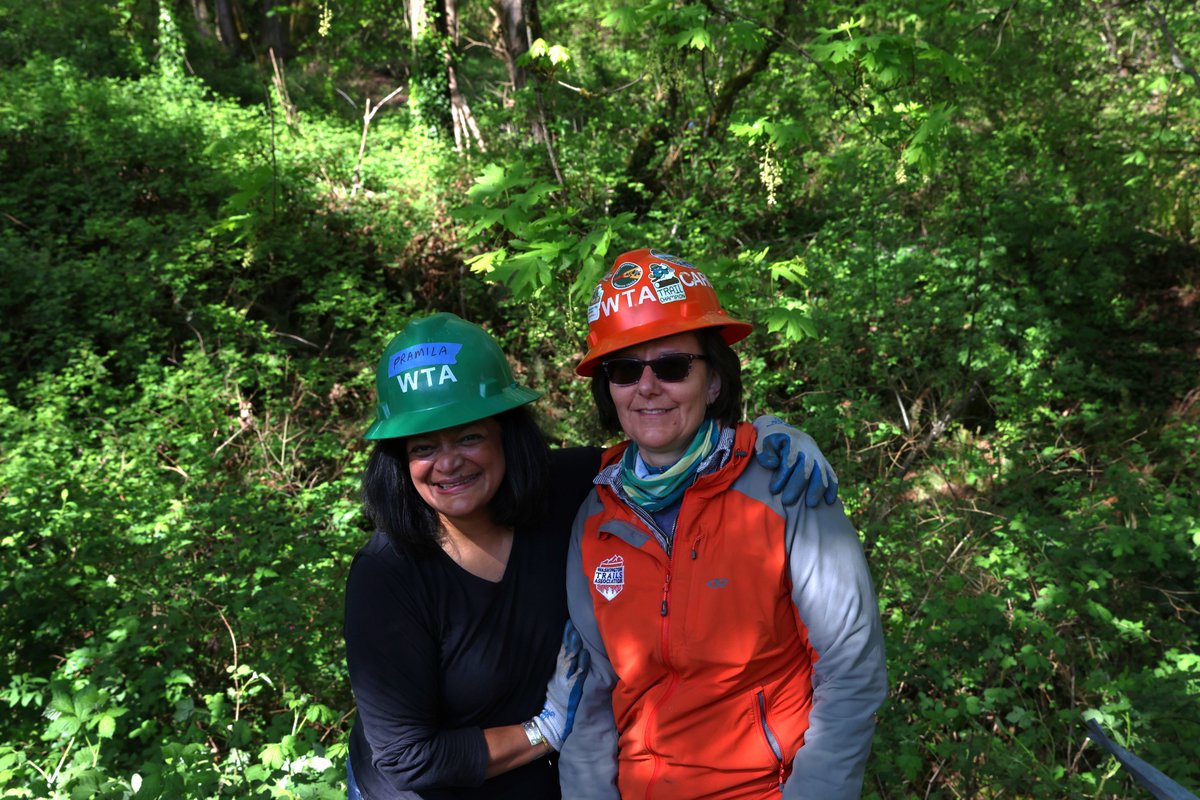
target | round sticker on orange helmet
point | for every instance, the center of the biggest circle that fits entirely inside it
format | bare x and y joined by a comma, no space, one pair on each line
626,275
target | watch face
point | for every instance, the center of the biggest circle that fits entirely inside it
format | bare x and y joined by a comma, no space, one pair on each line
533,733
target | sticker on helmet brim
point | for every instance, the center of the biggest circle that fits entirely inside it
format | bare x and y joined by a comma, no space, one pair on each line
594,303
429,354
666,283
626,275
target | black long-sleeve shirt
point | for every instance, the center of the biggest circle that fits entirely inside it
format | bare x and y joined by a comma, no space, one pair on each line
437,654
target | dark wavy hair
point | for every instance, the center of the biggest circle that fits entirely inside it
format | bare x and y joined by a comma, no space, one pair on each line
414,529
721,358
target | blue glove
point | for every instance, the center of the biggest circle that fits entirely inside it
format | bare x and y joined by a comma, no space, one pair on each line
799,466
565,688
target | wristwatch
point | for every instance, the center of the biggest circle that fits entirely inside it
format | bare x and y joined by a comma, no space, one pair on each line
533,733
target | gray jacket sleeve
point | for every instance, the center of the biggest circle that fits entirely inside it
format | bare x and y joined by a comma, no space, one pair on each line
587,765
832,591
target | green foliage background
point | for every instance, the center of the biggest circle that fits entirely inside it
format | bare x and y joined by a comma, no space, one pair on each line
967,234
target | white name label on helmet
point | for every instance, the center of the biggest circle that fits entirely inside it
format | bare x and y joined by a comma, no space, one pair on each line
418,379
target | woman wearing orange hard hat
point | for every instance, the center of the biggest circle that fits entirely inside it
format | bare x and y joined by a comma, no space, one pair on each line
735,643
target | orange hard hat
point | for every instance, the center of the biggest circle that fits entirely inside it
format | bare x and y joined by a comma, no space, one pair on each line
647,295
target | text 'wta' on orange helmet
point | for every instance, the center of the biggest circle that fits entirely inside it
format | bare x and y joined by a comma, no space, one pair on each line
649,294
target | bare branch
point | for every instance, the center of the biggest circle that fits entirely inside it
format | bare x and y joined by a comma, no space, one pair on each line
280,81
1176,56
602,92
369,113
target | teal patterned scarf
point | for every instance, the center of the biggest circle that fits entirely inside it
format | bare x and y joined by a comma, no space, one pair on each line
665,485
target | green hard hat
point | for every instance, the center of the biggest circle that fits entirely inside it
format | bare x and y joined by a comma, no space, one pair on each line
438,372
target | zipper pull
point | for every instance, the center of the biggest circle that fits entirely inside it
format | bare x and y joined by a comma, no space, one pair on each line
696,545
666,588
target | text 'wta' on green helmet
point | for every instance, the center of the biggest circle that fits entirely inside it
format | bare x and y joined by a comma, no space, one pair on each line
439,372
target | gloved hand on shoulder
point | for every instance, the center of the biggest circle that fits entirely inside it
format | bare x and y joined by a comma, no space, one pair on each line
564,689
800,467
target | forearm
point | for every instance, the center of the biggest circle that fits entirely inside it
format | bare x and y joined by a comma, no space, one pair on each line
508,748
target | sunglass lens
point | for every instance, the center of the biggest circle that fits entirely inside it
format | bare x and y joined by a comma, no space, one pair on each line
671,368
624,371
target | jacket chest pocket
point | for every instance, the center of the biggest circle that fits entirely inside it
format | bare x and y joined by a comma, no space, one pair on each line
736,602
627,588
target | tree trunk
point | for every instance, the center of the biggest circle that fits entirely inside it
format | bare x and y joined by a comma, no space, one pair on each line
416,19
516,36
227,29
433,82
463,124
641,168
645,183
203,18
275,29
520,25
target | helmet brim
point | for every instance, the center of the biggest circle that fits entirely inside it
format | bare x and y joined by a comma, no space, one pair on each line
450,414
731,331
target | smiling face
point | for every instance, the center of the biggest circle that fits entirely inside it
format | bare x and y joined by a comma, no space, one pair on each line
662,417
457,471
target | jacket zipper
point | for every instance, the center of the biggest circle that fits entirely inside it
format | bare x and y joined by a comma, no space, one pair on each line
769,735
664,644
659,534
667,543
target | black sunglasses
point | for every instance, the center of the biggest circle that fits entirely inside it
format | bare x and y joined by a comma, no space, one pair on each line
671,368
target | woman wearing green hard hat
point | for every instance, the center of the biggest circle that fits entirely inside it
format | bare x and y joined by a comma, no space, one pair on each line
456,607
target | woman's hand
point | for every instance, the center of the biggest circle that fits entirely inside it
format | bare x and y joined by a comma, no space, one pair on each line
800,467
565,687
